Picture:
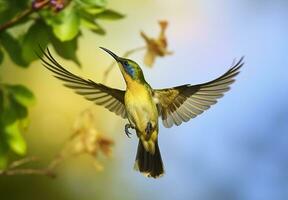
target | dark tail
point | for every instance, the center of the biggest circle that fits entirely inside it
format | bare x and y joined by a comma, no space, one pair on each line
150,164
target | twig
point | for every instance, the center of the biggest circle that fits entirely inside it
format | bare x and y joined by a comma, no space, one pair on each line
12,169
23,161
22,15
127,53
13,172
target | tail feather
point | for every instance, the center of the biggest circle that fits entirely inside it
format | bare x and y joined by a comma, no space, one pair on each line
150,164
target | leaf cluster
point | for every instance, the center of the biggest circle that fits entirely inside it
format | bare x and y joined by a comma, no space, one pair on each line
31,26
46,26
14,103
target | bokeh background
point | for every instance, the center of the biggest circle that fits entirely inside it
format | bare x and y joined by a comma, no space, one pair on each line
235,150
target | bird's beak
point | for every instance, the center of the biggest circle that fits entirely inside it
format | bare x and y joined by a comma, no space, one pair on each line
111,53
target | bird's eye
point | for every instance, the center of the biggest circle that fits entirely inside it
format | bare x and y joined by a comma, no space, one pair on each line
126,63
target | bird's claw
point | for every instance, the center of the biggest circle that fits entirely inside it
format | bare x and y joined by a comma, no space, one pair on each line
127,126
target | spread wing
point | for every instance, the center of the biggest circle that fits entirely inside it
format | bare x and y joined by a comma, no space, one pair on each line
110,98
180,104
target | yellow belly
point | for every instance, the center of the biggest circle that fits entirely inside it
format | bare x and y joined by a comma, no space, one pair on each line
140,107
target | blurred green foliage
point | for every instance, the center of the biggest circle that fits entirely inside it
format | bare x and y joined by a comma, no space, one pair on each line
43,22
46,25
14,103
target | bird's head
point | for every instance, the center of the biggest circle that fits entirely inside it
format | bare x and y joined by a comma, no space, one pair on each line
129,68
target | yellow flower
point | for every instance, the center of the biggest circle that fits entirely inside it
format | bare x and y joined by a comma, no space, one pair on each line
156,47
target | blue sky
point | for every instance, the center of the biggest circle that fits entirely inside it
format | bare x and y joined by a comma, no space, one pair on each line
238,148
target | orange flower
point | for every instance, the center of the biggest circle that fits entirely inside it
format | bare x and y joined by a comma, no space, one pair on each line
87,139
156,47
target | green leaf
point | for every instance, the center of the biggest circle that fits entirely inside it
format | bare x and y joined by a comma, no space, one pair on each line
66,25
38,30
1,110
15,139
10,8
93,10
21,94
3,144
3,151
109,15
1,102
87,20
3,161
90,24
1,56
14,100
13,48
66,49
99,31
100,3
49,17
12,111
3,6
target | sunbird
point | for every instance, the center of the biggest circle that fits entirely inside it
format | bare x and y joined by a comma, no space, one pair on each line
142,105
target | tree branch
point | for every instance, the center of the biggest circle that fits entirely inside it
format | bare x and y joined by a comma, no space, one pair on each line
13,169
23,161
22,15
13,172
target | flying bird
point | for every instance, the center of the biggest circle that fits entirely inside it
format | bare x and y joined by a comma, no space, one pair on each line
142,105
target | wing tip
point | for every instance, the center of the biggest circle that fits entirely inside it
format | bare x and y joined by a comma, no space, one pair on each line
236,66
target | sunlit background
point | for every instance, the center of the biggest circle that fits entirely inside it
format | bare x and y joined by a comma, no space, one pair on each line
235,150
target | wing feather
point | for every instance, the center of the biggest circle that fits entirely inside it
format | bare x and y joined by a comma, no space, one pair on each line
180,104
112,99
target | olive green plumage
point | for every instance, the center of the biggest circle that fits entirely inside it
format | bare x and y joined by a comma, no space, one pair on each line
142,105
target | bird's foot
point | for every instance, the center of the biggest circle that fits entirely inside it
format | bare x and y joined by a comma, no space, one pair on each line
127,126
